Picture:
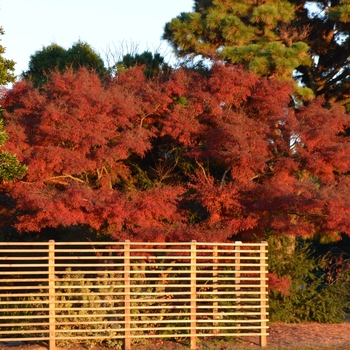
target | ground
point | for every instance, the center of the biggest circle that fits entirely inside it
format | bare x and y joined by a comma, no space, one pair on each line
281,336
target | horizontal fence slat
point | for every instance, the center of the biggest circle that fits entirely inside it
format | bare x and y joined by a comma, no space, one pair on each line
99,330
149,336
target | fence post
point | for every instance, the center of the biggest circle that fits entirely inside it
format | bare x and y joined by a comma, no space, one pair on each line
215,288
237,248
127,317
193,296
52,298
263,289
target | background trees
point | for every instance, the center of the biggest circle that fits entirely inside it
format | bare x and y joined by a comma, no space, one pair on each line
55,57
7,67
304,40
154,63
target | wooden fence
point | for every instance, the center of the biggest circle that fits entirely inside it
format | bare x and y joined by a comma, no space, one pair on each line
124,293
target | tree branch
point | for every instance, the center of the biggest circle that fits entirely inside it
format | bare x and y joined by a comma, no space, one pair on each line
223,177
201,166
66,176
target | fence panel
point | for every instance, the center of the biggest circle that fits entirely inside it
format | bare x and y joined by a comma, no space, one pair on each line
123,293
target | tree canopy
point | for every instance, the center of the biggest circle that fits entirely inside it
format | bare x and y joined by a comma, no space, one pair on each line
55,57
7,67
153,63
305,40
178,156
10,168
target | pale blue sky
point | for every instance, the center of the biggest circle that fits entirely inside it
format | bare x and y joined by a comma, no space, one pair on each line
31,24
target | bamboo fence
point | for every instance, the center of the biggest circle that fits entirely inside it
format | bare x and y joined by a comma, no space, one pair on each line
129,292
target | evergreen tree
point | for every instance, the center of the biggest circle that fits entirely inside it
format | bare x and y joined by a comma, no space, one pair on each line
10,168
7,67
55,57
305,40
154,64
81,54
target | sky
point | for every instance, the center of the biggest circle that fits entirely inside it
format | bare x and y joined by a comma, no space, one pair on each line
106,25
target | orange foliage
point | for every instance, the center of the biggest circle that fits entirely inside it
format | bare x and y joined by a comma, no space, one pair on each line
177,157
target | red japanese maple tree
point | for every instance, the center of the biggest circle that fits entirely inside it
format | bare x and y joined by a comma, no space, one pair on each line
264,166
187,155
76,134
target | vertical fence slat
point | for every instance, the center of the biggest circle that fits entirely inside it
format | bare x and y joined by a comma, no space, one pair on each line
127,308
52,297
263,287
238,272
193,295
215,288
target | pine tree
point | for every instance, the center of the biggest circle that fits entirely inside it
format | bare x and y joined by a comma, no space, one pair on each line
303,40
153,63
7,67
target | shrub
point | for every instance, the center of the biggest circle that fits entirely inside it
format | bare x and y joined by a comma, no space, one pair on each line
307,293
83,319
